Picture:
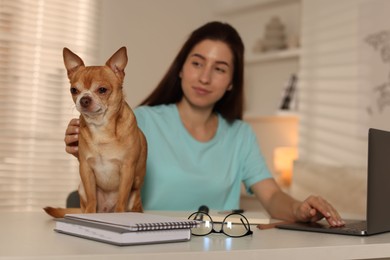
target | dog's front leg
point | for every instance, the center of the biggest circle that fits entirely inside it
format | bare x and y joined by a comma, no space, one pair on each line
126,183
135,201
89,184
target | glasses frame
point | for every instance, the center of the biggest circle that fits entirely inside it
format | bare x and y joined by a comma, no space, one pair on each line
245,224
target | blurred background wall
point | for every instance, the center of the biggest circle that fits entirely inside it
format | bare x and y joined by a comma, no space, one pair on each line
338,49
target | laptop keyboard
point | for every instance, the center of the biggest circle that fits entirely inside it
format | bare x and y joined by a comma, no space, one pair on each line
353,227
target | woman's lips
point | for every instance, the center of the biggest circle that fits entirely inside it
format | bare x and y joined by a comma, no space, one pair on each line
201,91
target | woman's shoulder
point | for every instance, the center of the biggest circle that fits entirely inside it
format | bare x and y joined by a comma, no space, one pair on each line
161,114
236,125
153,110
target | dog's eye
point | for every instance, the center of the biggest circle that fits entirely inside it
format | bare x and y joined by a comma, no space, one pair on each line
74,91
102,90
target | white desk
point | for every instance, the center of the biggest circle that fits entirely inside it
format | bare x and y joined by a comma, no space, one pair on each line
31,236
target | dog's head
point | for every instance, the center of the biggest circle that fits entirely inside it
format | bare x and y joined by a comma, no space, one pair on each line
95,89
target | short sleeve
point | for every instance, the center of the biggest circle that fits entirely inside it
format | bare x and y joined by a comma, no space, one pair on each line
254,166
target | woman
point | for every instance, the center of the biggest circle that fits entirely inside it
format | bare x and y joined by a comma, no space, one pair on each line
200,151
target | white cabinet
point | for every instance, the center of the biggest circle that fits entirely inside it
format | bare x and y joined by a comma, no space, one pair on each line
254,58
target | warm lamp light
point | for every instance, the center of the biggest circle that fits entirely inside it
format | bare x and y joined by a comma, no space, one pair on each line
283,163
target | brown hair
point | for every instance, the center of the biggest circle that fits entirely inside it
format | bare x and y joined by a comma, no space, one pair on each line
169,91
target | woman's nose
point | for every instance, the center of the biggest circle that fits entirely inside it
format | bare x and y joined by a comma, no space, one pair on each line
205,75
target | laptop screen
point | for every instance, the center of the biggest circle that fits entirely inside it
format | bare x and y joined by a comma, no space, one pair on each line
378,184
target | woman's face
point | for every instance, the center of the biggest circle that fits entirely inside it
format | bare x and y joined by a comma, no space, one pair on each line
207,73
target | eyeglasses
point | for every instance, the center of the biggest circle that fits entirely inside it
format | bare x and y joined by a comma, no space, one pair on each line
233,225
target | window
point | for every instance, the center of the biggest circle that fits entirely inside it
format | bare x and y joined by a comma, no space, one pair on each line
35,103
332,117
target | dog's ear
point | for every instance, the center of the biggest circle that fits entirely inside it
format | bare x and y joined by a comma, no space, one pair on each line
72,62
118,62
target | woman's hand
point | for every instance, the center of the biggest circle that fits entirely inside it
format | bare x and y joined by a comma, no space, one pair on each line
280,205
315,208
72,137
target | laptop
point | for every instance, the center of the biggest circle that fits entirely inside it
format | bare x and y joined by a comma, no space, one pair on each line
378,194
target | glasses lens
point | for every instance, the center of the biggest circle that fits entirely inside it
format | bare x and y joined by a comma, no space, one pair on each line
235,225
205,224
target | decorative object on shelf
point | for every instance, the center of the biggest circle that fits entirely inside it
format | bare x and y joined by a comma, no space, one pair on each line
259,46
288,93
275,38
292,41
274,35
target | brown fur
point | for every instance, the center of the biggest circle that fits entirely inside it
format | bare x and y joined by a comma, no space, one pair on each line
112,149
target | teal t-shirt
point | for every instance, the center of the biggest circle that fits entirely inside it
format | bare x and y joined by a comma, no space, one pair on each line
183,173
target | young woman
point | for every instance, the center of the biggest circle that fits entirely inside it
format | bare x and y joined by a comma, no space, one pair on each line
199,149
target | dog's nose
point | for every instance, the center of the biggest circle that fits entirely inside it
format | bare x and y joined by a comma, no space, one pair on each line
85,101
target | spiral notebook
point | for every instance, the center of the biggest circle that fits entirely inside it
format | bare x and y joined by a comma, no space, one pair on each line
128,228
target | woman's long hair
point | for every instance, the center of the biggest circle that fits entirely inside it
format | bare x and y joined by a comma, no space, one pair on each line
169,90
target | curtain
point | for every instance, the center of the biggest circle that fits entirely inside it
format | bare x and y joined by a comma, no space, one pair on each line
35,102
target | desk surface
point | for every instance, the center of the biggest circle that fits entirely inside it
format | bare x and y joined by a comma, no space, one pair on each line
30,236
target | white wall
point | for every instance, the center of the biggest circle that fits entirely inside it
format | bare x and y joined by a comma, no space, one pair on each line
374,46
153,32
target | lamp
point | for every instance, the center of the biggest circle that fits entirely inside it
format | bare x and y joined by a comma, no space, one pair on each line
284,157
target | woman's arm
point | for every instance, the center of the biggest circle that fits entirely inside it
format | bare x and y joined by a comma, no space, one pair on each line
282,206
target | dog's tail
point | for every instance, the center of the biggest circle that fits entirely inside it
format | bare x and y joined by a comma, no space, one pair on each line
60,212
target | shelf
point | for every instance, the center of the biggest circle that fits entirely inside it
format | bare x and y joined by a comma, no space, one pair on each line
280,116
228,7
272,56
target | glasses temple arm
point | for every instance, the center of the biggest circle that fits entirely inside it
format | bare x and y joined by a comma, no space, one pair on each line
245,225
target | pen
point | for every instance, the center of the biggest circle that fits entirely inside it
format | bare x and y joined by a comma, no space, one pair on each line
231,211
271,225
201,209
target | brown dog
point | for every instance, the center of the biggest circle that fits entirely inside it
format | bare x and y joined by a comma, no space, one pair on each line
112,149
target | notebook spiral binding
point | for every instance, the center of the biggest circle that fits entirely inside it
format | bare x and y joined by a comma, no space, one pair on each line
166,225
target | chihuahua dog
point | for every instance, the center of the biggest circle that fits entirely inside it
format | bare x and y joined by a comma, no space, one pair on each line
112,149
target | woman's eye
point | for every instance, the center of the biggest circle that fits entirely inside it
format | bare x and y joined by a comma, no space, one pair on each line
196,63
221,70
74,91
102,90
